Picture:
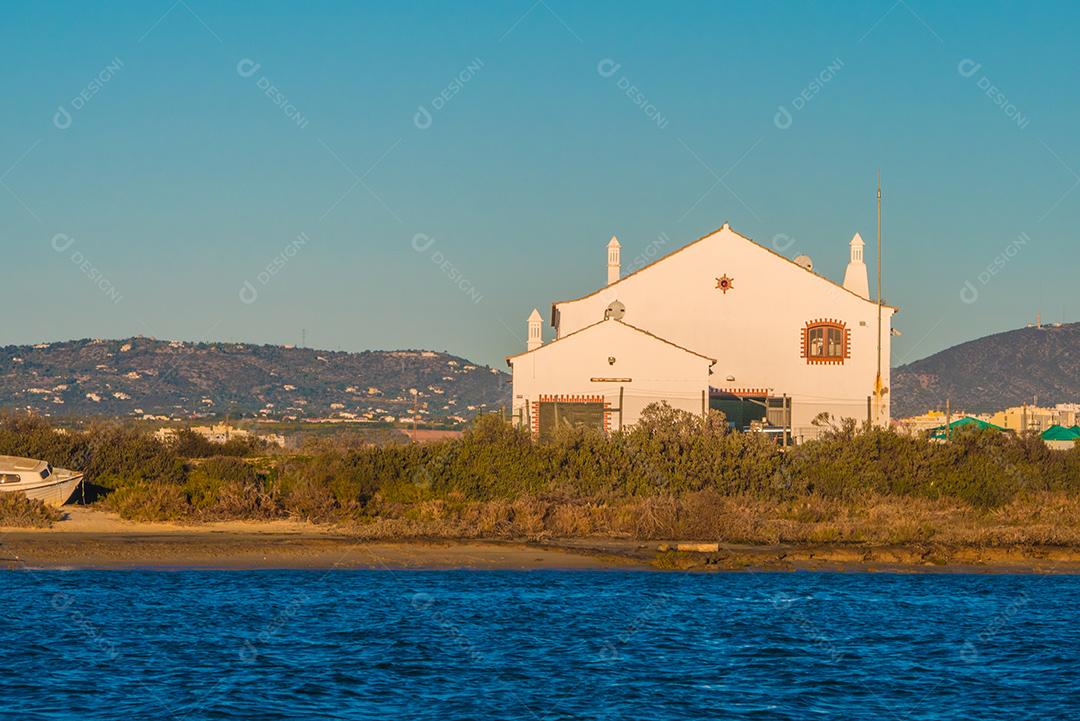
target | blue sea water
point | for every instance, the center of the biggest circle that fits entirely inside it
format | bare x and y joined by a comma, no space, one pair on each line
536,645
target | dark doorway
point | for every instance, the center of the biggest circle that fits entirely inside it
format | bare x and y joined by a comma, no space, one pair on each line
754,412
739,410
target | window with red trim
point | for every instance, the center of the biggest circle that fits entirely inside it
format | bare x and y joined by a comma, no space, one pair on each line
825,341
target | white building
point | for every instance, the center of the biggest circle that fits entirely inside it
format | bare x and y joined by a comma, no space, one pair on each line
720,323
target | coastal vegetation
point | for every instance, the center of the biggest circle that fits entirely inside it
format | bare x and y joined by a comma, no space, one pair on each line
18,511
673,475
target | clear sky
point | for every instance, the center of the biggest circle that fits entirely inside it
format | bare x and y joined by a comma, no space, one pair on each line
421,175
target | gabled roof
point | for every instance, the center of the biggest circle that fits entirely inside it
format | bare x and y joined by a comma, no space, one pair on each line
1059,433
725,226
939,432
510,358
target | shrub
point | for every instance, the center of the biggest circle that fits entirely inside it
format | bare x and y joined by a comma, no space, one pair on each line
190,444
117,455
143,501
18,511
226,468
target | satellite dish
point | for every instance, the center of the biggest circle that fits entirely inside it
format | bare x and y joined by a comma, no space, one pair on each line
614,311
805,262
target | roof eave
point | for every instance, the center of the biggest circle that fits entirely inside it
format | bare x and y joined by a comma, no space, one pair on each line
830,281
712,361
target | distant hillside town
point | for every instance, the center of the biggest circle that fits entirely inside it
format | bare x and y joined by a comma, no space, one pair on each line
148,379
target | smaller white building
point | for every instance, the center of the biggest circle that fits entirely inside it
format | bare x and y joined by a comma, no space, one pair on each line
604,375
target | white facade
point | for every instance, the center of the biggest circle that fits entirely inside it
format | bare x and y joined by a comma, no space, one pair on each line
605,362
774,328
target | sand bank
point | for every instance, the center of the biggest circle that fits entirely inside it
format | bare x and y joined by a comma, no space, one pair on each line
95,539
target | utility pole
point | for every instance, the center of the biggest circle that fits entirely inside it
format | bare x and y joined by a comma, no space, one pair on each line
877,381
621,389
416,410
787,423
948,420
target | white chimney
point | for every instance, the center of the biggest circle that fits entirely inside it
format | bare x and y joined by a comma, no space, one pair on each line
855,278
613,260
536,339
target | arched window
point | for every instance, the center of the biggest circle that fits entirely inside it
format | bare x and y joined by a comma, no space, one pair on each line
825,341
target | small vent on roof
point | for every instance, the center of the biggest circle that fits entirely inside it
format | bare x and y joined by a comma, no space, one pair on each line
804,261
614,311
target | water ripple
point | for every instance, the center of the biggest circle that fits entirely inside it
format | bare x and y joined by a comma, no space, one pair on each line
537,645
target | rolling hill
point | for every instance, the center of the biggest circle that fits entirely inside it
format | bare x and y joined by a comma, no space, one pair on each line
994,372
139,377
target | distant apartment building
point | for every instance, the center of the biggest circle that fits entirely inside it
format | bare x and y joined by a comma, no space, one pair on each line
1017,418
928,421
1037,419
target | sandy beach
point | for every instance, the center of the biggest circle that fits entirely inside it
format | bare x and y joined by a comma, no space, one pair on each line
92,539
96,539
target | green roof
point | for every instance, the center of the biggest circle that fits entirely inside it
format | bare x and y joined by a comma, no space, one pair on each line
1060,433
939,432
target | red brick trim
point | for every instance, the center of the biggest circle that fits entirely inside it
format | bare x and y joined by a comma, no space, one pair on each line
804,350
744,391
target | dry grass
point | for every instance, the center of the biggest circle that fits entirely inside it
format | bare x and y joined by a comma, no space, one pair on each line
1046,518
1040,519
18,511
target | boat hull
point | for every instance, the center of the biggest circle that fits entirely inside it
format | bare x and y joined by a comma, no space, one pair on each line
55,491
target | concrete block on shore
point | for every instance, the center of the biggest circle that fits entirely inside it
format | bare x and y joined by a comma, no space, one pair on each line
690,547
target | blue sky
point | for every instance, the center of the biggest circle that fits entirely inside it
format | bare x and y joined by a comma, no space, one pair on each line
421,175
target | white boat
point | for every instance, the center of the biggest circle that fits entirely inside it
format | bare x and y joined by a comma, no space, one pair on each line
37,479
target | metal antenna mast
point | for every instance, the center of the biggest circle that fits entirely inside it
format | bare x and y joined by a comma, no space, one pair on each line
877,381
